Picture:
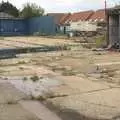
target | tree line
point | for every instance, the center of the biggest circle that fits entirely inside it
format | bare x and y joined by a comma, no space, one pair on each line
29,10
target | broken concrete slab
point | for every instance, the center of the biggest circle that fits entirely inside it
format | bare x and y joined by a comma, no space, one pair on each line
77,85
39,110
89,111
8,93
98,105
108,98
15,112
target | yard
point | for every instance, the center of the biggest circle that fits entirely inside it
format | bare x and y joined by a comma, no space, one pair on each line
69,80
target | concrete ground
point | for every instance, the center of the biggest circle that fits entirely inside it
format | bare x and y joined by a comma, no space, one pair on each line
15,105
77,84
86,100
10,109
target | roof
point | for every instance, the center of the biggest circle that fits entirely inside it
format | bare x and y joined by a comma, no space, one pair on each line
62,18
65,18
57,17
83,16
5,15
98,15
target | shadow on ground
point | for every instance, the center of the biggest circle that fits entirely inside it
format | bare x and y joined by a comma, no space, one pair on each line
68,114
11,53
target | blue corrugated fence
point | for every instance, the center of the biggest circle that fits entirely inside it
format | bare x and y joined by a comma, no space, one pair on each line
40,25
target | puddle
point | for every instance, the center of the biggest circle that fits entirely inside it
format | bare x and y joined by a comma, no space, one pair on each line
38,88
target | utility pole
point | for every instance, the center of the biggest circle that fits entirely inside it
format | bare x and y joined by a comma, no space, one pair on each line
106,10
107,23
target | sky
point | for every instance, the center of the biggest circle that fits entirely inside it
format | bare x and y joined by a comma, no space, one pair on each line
66,5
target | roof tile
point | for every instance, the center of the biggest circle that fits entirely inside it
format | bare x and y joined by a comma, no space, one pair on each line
83,16
98,15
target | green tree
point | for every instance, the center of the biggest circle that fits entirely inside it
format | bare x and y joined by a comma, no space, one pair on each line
7,7
31,10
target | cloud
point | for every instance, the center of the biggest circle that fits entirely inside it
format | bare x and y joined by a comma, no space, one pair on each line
67,2
64,5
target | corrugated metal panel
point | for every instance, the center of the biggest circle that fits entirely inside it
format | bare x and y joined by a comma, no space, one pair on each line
113,30
44,24
12,27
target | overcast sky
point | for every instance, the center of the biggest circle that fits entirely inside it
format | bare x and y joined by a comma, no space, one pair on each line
66,5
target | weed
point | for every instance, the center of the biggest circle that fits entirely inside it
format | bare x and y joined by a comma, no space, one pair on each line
21,62
25,78
21,68
34,78
41,77
2,38
69,73
100,41
11,102
111,74
40,98
2,71
88,46
5,78
55,68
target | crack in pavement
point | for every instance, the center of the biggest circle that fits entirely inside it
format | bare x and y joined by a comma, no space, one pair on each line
93,91
81,93
98,104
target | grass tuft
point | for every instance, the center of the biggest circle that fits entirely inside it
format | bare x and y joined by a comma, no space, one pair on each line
34,78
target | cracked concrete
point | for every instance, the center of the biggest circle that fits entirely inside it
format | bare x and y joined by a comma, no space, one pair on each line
78,85
15,105
87,98
9,107
9,93
90,89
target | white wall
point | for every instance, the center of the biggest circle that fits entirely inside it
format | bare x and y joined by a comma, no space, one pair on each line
83,26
